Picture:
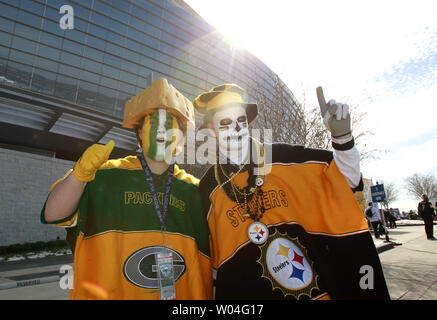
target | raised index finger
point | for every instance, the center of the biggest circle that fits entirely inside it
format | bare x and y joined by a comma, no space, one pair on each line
322,102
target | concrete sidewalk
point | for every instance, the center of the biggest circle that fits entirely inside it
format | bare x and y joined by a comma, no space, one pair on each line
409,235
29,272
410,269
23,273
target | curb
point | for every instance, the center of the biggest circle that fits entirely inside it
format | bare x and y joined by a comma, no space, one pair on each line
387,246
29,282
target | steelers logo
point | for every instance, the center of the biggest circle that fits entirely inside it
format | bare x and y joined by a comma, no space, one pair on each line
286,264
258,232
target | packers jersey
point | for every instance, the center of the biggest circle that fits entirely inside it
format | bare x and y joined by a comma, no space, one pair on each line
317,243
115,234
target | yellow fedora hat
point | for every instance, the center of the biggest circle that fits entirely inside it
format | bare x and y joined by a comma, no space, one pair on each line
223,96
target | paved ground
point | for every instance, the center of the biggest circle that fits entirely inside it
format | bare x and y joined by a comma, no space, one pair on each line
411,268
409,261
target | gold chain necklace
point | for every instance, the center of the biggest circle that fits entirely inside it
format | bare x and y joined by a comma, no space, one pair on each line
235,189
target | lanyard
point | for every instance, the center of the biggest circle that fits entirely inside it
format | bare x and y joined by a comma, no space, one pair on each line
160,213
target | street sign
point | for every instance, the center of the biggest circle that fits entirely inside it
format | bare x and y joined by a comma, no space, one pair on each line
378,193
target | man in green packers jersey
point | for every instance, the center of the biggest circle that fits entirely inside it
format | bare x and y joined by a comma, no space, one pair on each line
136,223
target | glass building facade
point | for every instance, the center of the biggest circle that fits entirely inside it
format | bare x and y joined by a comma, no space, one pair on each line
57,84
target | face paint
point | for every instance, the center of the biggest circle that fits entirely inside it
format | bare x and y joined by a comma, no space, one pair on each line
157,135
232,130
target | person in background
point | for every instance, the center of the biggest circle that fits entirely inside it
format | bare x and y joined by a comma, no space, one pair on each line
374,217
392,218
427,213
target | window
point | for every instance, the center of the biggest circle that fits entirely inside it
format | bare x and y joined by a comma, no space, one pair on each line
128,77
127,88
52,27
19,73
97,31
121,16
106,100
72,47
102,8
70,59
32,6
154,32
6,25
119,105
113,37
111,60
68,71
52,14
21,57
100,20
81,25
87,94
75,35
107,82
43,81
114,49
29,19
81,12
93,54
5,39
4,53
89,76
95,42
8,12
127,66
48,52
46,64
136,23
50,39
132,56
151,42
134,34
150,7
24,45
117,27
91,66
110,72
26,32
146,62
121,4
85,3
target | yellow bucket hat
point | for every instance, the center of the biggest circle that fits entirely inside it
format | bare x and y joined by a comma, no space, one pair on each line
223,96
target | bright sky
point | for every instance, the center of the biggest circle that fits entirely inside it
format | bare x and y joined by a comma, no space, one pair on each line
379,55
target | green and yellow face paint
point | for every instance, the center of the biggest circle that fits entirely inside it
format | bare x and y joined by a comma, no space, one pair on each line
158,135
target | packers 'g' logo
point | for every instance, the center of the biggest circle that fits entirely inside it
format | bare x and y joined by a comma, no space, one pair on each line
141,269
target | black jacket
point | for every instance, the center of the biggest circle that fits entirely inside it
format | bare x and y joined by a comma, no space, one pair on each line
425,209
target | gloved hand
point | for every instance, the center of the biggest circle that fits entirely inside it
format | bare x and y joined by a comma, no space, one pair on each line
91,160
335,116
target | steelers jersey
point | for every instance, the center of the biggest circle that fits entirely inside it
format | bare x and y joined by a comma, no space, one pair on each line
115,234
315,244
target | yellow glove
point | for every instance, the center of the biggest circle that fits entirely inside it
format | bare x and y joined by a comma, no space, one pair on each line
91,160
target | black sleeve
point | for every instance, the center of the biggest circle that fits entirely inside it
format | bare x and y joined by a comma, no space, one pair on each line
348,273
206,185
288,153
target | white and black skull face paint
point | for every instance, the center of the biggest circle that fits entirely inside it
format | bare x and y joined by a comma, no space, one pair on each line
232,130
